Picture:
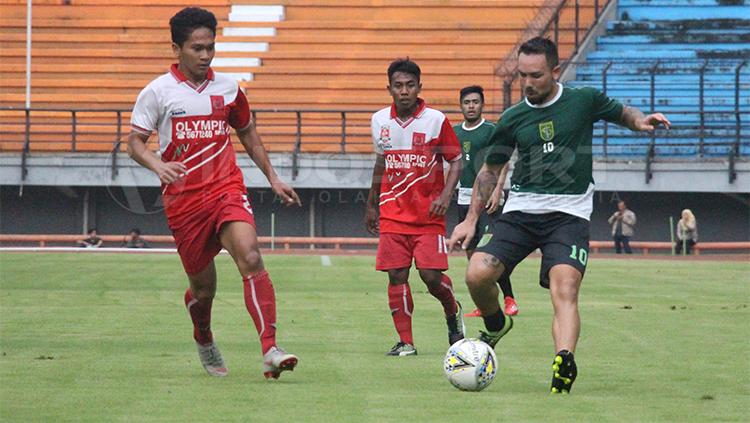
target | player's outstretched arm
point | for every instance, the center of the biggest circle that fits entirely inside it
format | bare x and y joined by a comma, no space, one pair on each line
635,120
167,172
372,222
254,147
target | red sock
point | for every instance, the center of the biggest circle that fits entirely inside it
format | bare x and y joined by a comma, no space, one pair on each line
444,293
260,301
401,303
200,313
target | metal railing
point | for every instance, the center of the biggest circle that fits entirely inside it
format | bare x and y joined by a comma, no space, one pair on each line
652,69
55,129
738,123
347,131
550,25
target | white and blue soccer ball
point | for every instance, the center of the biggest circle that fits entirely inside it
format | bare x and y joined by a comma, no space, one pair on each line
470,365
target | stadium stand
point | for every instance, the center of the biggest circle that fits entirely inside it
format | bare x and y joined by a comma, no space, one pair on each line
289,54
686,59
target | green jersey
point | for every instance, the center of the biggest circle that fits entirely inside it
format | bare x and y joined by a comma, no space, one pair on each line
474,146
553,171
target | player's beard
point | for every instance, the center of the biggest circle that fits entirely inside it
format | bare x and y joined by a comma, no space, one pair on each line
535,97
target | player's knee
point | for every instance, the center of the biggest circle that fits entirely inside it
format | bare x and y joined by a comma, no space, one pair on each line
398,276
431,278
251,260
203,294
476,279
566,289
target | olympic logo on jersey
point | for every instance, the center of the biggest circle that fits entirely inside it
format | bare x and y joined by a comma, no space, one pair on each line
405,161
192,129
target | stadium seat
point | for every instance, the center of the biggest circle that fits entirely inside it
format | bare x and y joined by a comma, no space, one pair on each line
288,54
688,36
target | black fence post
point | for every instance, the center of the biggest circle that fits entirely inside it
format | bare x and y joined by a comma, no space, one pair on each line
702,109
734,152
116,147
26,145
578,5
507,92
74,122
557,26
343,132
297,146
605,140
652,145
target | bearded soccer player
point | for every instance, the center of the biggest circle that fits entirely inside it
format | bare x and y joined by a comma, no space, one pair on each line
408,200
474,135
550,200
205,198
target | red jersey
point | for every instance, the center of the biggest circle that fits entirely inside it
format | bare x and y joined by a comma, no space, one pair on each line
414,152
194,123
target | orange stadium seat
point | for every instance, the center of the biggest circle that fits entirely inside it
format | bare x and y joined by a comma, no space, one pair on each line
328,55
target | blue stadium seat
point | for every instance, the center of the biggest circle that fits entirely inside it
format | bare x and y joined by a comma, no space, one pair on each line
674,40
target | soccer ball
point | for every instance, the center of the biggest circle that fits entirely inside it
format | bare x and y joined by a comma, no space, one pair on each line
470,365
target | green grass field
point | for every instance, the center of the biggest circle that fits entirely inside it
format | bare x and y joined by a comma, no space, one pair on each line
106,338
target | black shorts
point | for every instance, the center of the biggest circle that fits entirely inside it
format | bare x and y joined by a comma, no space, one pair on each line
563,239
481,227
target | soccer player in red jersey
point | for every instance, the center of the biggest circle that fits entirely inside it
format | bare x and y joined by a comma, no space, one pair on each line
408,200
192,108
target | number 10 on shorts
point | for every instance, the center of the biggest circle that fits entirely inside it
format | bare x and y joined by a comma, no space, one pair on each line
579,254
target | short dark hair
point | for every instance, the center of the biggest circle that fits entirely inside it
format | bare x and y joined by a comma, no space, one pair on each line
135,231
188,20
540,45
91,230
405,66
471,89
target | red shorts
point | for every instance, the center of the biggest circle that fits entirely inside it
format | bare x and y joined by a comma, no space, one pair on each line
395,251
197,234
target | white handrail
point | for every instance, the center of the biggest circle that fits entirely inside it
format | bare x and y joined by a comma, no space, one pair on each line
28,53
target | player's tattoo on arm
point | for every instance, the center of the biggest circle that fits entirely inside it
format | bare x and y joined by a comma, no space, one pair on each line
491,261
629,116
485,184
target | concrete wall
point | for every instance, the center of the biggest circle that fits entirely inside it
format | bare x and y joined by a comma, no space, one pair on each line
337,212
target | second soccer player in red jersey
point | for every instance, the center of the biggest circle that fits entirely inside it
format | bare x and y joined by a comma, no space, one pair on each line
193,108
408,200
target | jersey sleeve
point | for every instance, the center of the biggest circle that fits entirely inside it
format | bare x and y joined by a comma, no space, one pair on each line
605,108
239,115
448,144
376,136
145,116
501,145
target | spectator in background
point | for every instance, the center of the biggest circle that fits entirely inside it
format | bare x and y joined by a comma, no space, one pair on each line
622,221
92,241
133,239
687,233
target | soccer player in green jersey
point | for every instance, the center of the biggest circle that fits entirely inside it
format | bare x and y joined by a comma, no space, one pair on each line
550,200
474,135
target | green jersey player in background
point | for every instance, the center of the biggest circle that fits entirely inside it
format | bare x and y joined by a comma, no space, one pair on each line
550,199
474,135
